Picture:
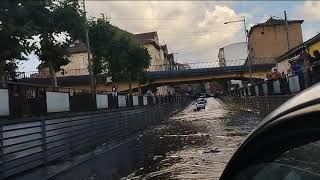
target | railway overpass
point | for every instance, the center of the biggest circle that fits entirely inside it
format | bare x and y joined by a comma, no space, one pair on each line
184,76
158,76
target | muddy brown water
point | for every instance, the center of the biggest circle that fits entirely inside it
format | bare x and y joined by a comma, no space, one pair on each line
193,144
190,145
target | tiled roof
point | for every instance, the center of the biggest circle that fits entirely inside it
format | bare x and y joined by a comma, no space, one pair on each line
148,35
272,21
77,47
148,38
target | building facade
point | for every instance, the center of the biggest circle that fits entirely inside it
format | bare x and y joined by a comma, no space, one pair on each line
269,40
294,54
233,54
150,41
160,60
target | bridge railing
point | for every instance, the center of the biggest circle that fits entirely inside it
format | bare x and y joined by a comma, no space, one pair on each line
292,83
196,65
19,100
158,67
46,74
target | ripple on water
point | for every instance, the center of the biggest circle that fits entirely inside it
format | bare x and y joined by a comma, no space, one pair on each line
194,144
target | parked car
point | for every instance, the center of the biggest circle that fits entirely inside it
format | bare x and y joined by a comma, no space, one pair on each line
284,146
200,105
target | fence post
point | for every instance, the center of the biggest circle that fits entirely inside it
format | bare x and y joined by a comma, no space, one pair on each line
126,124
44,142
1,151
268,105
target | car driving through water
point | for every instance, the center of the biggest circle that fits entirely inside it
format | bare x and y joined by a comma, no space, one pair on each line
200,105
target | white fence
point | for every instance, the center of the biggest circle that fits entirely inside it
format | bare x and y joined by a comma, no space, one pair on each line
145,100
135,100
57,102
4,103
294,84
102,101
122,102
276,87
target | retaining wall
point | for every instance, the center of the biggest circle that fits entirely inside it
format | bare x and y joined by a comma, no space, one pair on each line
263,105
26,144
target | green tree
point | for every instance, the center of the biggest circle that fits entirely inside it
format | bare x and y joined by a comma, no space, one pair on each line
16,29
21,20
100,34
61,19
116,53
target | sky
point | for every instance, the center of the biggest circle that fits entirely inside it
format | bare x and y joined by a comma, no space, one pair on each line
195,30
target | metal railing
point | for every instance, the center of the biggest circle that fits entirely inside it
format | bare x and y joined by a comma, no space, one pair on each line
151,68
30,100
258,105
285,85
43,141
197,65
46,74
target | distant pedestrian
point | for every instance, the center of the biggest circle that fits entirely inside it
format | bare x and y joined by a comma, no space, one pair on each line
316,67
149,92
296,68
114,90
276,74
316,59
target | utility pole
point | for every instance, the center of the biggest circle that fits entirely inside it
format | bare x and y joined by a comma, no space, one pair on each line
139,85
247,41
287,29
248,49
130,89
92,80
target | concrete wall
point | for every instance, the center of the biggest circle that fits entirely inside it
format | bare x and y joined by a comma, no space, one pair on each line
271,41
262,105
32,143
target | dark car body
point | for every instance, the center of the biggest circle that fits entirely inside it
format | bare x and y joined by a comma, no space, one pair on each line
285,145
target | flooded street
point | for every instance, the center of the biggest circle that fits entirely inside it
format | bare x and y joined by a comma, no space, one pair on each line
193,144
190,145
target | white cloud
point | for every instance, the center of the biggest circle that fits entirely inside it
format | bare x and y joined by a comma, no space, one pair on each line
195,30
310,10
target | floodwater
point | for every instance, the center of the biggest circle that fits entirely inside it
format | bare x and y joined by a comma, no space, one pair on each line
196,144
190,145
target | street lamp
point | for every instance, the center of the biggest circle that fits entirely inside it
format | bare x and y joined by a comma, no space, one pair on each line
247,39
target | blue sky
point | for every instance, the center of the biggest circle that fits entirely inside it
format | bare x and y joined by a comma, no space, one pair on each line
195,30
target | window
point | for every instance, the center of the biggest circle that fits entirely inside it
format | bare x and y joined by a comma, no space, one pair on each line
301,163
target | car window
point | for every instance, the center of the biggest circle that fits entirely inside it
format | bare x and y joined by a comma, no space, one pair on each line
300,163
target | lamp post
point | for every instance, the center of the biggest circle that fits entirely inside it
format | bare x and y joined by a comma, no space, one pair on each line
90,64
247,39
